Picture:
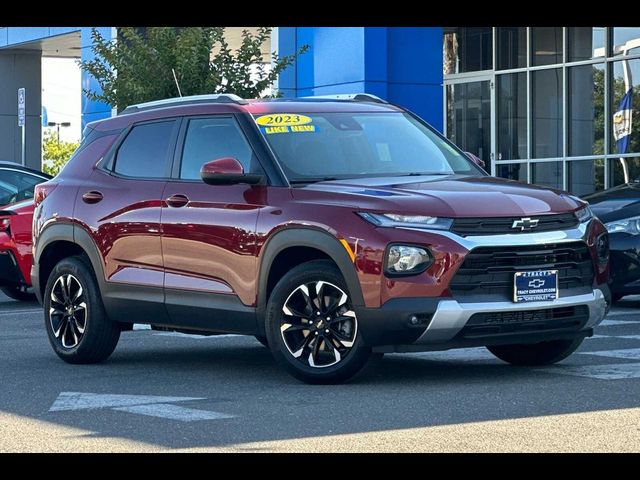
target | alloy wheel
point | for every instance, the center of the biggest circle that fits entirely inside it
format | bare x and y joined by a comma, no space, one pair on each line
318,324
68,310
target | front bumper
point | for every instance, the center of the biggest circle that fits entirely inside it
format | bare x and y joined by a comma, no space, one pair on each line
10,273
625,263
421,324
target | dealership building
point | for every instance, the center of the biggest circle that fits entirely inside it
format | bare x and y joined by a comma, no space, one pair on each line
548,105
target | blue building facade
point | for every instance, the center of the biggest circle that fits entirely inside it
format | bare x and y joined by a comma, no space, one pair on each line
400,64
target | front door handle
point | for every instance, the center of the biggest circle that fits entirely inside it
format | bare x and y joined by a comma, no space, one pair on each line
177,200
92,197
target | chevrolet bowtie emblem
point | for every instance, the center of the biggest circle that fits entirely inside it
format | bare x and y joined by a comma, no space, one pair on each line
525,223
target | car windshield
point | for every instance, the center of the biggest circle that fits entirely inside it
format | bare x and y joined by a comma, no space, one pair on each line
323,146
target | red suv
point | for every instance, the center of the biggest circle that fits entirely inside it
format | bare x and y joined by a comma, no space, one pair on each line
329,229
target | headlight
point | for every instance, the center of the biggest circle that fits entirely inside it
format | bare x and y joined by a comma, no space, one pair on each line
626,225
602,248
397,220
584,214
407,260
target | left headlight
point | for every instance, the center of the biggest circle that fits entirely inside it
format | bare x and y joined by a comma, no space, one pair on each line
584,214
416,221
626,225
407,260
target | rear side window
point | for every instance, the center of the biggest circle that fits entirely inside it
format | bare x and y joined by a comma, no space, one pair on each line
145,151
209,139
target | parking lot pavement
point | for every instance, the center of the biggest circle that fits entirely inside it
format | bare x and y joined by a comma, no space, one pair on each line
163,391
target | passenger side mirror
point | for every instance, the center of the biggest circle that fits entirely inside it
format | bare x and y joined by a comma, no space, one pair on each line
475,159
227,171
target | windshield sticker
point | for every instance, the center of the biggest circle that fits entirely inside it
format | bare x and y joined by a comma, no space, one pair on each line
282,120
289,129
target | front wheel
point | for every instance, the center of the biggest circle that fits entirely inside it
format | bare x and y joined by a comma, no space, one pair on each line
543,353
311,326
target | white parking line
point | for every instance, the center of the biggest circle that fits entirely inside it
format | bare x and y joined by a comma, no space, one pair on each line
619,371
629,353
141,326
17,312
174,412
612,323
461,354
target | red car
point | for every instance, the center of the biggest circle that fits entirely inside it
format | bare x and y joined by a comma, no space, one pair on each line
16,193
329,229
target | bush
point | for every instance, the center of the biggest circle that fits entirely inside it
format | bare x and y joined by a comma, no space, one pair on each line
55,154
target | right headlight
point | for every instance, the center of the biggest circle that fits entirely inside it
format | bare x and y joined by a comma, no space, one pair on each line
407,260
626,225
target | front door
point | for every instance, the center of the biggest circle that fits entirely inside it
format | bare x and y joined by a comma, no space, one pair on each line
469,117
208,241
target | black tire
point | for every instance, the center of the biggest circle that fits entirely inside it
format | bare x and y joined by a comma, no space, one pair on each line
100,336
347,352
535,354
616,297
263,340
19,292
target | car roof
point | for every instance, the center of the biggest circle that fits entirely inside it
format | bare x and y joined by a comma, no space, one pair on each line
17,166
201,106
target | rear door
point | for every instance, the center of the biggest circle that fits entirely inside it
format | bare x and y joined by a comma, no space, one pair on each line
121,207
208,240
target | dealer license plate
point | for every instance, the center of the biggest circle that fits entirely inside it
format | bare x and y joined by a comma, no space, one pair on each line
535,286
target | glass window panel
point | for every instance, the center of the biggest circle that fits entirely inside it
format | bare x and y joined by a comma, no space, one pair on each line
512,116
546,88
585,43
585,176
625,128
626,38
623,170
469,118
586,110
512,47
548,174
512,171
145,151
546,45
467,49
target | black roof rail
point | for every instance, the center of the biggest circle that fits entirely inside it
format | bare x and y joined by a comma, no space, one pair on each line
354,97
190,100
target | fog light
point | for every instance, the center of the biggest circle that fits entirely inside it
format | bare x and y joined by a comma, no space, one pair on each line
602,248
407,260
414,320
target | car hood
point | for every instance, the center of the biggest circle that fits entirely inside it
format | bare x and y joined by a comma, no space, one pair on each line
442,195
619,202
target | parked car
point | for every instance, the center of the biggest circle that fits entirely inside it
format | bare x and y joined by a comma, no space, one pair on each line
329,229
619,209
16,214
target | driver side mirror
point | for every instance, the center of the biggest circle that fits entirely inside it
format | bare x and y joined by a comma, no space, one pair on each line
475,159
227,171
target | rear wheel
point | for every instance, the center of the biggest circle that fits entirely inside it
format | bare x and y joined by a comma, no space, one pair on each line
21,293
78,328
311,326
543,353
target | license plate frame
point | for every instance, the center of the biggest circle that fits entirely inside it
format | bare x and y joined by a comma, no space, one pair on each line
535,286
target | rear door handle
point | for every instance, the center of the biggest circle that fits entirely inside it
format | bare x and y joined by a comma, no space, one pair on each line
177,201
92,197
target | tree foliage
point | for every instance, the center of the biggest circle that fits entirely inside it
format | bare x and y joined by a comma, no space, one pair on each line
138,66
55,155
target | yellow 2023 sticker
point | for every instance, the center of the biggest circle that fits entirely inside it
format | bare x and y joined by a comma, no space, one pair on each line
283,120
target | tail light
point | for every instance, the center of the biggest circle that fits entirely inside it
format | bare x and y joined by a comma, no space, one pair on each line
42,191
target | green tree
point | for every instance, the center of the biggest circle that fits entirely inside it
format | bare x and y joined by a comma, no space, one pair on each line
56,154
138,66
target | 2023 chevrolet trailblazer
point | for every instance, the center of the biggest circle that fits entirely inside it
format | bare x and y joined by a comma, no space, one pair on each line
329,229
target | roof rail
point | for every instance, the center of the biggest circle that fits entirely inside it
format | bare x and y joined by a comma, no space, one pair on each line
355,97
190,100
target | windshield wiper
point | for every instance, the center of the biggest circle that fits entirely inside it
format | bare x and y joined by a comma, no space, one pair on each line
298,181
420,174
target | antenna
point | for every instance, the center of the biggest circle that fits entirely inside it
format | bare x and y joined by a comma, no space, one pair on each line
176,80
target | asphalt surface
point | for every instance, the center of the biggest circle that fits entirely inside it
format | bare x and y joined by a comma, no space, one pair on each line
171,392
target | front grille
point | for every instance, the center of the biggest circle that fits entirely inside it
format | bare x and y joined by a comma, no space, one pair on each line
525,321
501,225
490,270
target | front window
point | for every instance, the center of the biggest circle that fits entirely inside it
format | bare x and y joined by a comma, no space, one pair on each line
321,146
